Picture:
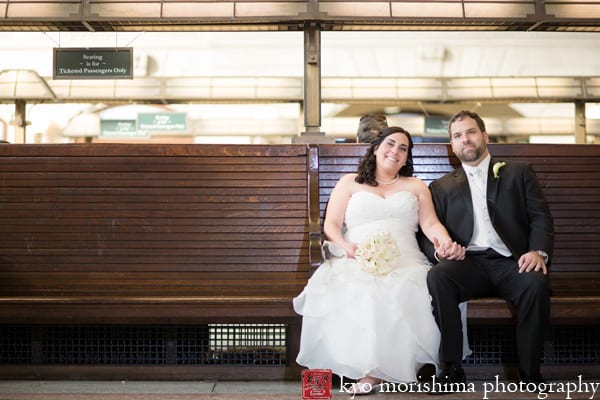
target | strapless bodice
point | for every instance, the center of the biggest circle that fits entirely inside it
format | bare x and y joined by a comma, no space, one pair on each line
398,214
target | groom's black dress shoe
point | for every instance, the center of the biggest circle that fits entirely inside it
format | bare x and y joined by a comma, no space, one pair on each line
533,378
426,373
450,380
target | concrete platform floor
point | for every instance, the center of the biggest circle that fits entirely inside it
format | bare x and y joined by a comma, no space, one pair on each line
280,390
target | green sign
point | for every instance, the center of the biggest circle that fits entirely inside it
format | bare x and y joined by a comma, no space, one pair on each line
170,122
93,63
120,128
436,126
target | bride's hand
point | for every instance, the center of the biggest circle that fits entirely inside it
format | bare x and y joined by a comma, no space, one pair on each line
350,249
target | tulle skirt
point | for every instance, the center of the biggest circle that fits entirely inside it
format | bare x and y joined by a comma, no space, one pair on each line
358,324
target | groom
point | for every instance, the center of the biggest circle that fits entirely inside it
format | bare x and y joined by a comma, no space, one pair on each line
496,210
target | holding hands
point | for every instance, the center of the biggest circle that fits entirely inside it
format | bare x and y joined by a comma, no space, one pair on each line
449,250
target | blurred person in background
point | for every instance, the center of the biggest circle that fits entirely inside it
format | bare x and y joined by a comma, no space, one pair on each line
369,126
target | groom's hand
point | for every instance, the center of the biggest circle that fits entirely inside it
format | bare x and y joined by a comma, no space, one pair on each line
532,261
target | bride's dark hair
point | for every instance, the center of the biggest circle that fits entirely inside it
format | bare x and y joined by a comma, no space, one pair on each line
368,164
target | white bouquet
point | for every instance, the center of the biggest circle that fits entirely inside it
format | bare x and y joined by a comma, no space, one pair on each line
378,254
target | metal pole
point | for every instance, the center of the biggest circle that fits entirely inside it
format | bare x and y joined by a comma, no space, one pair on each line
580,126
20,121
312,88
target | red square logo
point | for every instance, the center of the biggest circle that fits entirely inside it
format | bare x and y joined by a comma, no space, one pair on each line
316,384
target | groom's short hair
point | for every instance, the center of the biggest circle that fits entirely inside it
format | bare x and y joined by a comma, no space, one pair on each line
466,113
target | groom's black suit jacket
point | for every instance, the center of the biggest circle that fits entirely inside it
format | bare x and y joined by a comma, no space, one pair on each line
516,204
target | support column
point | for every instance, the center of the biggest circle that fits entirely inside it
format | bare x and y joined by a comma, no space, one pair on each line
20,121
312,88
580,126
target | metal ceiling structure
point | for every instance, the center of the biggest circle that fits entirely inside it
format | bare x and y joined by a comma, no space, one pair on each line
27,84
202,15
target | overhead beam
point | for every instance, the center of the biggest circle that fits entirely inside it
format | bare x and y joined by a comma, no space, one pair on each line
206,15
314,89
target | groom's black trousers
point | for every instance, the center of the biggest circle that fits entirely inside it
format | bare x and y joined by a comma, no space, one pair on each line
485,274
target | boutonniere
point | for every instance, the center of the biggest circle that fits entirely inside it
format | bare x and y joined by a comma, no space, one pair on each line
496,168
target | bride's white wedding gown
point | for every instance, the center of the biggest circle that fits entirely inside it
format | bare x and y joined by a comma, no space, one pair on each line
358,324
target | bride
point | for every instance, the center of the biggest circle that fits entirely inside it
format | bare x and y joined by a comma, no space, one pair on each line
367,315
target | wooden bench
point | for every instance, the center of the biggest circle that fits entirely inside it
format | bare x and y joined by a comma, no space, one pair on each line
109,234
570,178
181,235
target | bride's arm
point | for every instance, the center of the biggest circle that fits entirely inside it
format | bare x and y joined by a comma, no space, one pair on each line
432,227
336,211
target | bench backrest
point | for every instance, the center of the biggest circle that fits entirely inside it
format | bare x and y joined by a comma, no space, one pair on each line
226,222
568,174
153,220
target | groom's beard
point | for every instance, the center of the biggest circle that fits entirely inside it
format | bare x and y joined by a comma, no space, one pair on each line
470,155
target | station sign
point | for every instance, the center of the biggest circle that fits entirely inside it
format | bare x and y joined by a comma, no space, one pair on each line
162,122
436,126
120,128
93,63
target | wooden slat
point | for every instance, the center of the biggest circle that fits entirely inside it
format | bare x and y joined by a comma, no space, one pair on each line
163,151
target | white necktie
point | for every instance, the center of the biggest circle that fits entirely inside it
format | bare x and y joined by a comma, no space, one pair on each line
478,179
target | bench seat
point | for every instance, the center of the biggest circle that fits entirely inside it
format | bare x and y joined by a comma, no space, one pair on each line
173,236
564,310
135,309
